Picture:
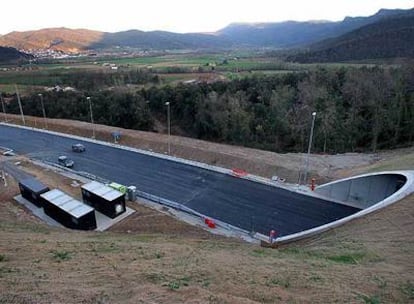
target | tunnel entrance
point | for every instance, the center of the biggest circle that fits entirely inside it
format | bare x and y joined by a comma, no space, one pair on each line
363,192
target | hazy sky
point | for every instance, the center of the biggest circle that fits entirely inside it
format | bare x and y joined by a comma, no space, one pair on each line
176,15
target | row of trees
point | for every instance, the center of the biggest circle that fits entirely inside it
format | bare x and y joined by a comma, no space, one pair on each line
358,109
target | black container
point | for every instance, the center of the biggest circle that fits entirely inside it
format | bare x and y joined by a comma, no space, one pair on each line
104,199
31,189
69,212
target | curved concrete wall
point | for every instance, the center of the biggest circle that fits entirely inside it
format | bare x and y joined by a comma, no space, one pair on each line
388,183
365,191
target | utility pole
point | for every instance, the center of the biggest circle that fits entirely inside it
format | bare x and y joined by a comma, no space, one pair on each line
43,109
309,148
20,105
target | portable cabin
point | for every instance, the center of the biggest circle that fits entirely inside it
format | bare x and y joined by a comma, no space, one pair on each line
104,199
68,211
31,189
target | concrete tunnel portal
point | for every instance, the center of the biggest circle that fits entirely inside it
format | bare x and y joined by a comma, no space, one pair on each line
368,192
363,191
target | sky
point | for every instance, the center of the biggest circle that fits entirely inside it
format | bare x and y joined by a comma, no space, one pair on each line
181,16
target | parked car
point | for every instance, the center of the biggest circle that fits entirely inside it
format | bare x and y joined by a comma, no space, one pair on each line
65,161
78,148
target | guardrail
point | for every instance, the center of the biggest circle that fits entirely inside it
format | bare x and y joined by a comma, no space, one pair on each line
181,207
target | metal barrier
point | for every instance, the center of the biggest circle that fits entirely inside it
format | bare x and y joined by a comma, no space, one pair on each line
183,208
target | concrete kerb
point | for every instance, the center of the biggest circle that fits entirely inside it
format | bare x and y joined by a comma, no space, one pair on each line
406,190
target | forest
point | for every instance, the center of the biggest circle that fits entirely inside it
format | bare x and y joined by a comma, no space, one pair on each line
358,108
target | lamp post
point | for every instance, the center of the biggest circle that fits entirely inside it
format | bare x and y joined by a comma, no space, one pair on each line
20,105
169,126
43,109
90,110
4,107
309,147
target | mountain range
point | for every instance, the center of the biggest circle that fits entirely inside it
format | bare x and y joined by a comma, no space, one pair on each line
312,37
297,34
390,37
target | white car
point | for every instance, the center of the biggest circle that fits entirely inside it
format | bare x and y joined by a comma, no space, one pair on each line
65,161
78,148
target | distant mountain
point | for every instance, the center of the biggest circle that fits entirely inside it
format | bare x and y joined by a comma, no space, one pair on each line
11,55
296,34
281,35
62,39
160,40
75,40
275,35
389,37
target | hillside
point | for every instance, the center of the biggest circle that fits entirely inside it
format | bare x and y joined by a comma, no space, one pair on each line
276,35
297,34
11,55
75,40
153,258
61,39
283,34
159,40
387,38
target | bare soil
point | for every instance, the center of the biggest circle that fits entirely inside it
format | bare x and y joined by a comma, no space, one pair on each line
154,258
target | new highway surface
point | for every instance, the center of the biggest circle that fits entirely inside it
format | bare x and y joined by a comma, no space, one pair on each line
249,205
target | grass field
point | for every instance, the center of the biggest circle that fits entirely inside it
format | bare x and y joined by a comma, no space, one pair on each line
230,65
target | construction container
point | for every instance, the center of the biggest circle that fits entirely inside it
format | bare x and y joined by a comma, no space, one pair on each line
31,189
104,199
68,211
119,187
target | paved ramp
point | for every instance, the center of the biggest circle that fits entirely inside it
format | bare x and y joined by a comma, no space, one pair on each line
246,204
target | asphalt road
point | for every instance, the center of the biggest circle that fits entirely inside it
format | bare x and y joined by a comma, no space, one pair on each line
242,203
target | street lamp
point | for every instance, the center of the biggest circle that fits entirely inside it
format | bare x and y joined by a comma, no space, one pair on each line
4,107
90,110
309,148
20,105
169,126
43,109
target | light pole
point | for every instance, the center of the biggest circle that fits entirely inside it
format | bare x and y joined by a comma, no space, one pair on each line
20,105
309,148
43,109
4,107
90,109
169,126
